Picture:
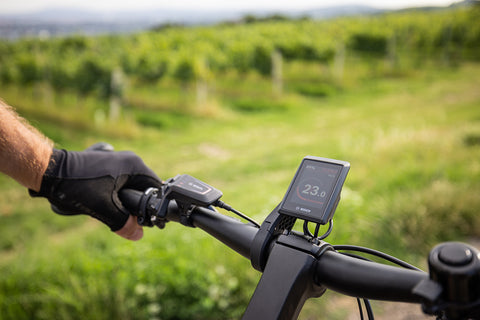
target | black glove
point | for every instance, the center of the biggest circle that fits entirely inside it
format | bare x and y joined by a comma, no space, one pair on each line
88,182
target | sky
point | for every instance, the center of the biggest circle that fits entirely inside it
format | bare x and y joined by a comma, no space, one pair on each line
25,6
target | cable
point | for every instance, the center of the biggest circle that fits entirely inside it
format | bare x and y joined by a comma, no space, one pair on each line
227,207
377,254
368,307
306,231
317,228
360,309
315,237
330,228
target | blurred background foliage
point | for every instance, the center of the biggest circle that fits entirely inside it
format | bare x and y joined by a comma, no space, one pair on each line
238,105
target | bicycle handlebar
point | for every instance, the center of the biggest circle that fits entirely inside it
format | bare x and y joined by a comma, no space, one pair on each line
369,280
230,231
338,272
329,269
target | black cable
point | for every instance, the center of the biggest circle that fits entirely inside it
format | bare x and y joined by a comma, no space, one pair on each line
360,309
368,307
315,237
377,254
356,256
306,231
326,234
317,228
227,207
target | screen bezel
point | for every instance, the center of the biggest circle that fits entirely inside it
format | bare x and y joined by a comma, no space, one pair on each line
322,216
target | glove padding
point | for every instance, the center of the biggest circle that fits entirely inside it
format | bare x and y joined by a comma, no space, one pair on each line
88,182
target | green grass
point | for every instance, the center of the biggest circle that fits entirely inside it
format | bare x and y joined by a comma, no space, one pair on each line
414,181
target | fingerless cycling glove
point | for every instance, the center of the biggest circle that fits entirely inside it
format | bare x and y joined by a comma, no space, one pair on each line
88,182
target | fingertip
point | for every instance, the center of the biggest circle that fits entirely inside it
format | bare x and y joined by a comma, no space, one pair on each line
131,230
137,235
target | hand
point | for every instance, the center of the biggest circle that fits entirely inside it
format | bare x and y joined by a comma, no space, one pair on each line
88,182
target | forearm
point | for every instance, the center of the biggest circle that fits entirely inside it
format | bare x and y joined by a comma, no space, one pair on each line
24,152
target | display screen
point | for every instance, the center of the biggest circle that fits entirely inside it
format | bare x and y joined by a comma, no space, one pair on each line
314,191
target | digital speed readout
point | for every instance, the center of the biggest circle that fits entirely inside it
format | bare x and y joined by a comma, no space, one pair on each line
315,189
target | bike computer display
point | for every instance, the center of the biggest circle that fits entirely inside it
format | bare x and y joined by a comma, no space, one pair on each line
315,190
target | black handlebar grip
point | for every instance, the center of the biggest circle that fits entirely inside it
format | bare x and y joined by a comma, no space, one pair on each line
131,199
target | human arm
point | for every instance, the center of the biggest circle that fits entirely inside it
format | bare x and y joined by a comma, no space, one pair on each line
24,151
74,182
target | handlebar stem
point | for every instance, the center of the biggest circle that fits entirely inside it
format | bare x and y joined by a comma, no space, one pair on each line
285,285
274,225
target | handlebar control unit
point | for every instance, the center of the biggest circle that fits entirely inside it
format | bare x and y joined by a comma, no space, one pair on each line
314,192
185,188
187,192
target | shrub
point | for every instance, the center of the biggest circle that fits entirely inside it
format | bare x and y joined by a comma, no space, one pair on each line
370,44
185,71
262,60
91,76
150,71
28,70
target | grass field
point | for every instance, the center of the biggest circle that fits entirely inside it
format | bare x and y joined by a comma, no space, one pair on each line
414,147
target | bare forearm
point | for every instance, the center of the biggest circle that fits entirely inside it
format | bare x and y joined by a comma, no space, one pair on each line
24,152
